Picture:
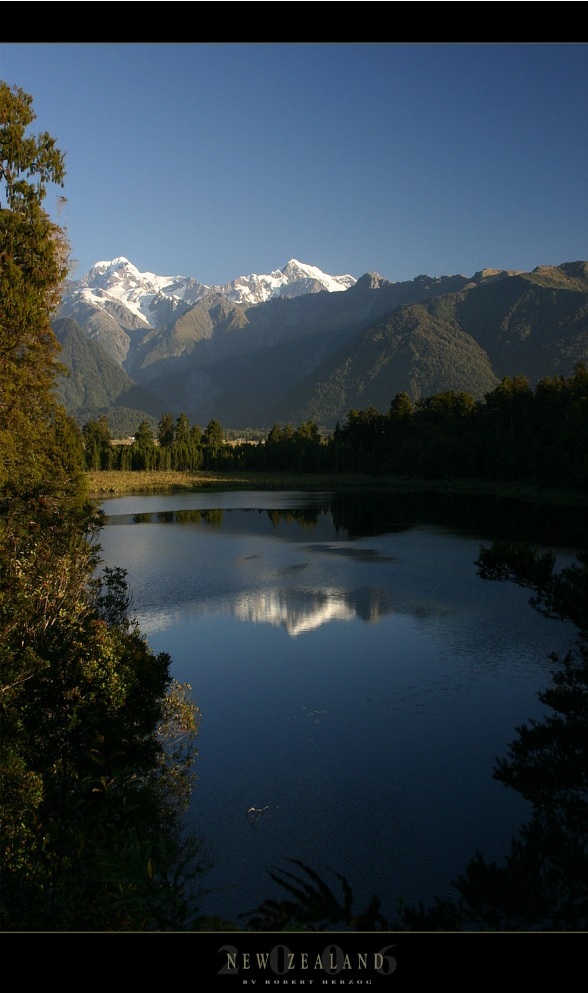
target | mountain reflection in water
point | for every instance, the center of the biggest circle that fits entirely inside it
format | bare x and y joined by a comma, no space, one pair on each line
357,679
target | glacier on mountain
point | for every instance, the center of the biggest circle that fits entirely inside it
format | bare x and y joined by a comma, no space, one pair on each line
119,282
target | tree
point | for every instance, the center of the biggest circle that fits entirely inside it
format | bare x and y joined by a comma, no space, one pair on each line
507,428
363,436
144,437
97,443
279,447
33,263
307,447
182,430
543,883
213,442
165,430
196,435
143,449
401,407
96,742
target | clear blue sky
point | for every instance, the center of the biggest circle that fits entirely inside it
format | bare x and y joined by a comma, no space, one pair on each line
220,159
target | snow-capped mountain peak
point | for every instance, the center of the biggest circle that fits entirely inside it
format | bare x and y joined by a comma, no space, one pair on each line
295,271
292,280
110,284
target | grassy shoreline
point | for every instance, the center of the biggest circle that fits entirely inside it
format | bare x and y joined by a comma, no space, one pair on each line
109,484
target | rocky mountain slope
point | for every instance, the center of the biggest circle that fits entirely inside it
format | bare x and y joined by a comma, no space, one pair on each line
299,344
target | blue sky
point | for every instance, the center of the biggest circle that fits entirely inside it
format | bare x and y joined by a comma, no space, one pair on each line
217,159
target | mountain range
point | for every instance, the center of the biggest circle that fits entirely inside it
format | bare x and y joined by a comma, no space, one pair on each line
298,344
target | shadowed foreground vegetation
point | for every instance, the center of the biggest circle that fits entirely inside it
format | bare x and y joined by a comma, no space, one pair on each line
97,741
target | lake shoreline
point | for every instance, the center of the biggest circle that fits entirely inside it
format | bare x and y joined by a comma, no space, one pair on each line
116,483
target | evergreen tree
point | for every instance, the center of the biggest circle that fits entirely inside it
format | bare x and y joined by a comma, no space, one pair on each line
96,740
543,884
33,263
165,430
143,449
97,444
182,429
213,443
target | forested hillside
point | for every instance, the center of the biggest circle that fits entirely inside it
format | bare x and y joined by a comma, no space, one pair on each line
318,356
96,383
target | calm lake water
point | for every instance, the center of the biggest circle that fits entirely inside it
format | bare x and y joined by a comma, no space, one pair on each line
357,679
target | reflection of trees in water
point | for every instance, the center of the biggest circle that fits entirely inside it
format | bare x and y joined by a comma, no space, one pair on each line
214,516
363,513
542,884
306,518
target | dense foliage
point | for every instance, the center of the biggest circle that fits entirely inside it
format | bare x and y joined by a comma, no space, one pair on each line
515,434
94,383
96,743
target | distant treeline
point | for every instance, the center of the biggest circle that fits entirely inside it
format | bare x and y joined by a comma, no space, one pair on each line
515,434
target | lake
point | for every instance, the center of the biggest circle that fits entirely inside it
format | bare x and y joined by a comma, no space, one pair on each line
357,679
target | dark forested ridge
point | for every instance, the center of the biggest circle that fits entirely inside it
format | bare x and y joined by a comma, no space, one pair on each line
318,356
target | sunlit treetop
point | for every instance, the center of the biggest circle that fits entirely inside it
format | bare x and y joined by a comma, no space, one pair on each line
27,163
